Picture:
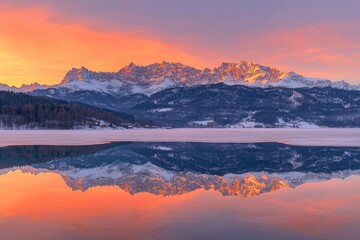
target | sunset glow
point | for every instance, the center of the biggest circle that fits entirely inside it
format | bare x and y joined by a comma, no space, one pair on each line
181,119
34,49
41,41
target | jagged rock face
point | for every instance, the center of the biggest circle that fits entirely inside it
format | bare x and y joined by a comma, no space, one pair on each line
240,72
83,74
153,73
246,73
159,76
156,77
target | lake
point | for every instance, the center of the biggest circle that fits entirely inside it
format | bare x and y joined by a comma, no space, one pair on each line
101,185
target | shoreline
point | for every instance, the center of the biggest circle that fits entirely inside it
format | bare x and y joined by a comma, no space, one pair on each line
336,137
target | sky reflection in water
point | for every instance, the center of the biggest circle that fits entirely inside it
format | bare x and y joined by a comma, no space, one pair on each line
149,191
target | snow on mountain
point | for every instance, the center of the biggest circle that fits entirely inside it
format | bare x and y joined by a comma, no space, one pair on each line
156,77
159,76
131,79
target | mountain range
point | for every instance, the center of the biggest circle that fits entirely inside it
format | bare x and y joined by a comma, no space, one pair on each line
155,77
240,94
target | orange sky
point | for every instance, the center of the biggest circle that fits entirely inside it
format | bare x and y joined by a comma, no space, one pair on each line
42,40
33,49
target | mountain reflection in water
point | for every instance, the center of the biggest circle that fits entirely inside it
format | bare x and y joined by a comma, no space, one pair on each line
167,169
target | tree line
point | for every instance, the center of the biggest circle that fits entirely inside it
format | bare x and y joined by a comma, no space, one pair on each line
18,110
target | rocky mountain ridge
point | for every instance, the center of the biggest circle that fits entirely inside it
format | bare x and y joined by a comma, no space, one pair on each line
155,77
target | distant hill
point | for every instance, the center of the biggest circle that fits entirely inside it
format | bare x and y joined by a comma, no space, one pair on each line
220,105
18,110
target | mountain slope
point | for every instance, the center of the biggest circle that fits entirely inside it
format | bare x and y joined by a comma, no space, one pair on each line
220,105
99,99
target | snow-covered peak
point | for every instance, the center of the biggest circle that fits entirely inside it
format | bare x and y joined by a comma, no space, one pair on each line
156,77
84,74
157,72
246,73
159,76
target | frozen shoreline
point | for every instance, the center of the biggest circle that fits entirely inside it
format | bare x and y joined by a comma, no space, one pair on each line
302,137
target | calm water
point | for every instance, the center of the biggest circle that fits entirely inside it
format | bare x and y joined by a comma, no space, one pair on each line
179,191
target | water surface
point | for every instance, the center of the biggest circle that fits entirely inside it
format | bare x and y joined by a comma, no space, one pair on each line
139,190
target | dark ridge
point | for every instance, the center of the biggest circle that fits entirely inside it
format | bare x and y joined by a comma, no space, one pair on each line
21,110
203,158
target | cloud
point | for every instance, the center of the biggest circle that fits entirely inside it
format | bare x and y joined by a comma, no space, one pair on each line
33,48
328,50
319,39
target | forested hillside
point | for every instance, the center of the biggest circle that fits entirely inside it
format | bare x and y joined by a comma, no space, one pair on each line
220,105
18,110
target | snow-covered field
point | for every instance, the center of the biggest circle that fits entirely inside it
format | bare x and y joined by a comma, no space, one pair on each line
305,137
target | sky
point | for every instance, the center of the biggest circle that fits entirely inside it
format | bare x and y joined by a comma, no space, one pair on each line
40,40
